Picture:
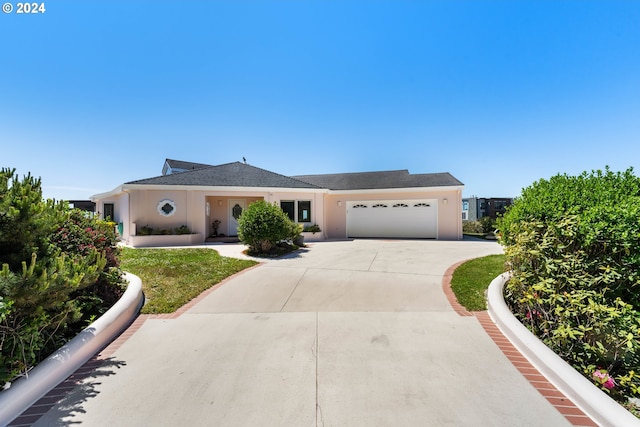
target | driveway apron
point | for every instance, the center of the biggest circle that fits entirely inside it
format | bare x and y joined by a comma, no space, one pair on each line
344,333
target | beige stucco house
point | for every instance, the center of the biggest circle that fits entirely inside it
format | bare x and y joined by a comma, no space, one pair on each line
386,204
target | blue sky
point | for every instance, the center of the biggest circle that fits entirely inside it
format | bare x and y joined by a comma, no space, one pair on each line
498,93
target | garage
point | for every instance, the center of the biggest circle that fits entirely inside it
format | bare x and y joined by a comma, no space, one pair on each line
414,219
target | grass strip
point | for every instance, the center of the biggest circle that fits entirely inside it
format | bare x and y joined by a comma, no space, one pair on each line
173,277
471,279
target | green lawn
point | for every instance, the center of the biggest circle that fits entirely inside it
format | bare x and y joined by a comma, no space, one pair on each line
173,277
471,279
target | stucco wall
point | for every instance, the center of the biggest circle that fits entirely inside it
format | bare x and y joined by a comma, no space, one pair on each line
219,209
219,206
144,209
140,207
317,205
121,210
121,207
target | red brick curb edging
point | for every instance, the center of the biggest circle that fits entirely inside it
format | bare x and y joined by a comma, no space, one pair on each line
559,400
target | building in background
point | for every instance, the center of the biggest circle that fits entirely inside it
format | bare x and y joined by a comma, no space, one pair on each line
474,208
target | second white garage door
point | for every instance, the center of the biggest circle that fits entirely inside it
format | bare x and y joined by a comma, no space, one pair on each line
393,218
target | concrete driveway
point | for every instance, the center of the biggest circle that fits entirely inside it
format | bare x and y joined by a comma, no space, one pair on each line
349,333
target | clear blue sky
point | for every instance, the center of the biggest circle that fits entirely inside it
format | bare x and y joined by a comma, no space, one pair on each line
498,93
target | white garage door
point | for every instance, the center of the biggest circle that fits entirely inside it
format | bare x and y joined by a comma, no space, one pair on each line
393,218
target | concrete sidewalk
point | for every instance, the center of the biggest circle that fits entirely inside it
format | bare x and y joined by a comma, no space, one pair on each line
351,333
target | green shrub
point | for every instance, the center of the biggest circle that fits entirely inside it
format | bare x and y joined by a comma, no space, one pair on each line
81,235
483,225
573,246
562,195
295,231
488,224
54,264
262,225
183,229
472,227
315,228
145,230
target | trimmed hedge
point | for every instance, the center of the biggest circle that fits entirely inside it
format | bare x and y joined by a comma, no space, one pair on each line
573,245
263,225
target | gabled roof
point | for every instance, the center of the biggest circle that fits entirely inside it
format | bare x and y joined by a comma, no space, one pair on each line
380,180
227,175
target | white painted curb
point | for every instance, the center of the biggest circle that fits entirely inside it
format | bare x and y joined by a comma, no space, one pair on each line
65,361
590,399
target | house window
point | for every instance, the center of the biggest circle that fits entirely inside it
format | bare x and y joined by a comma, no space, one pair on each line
465,205
289,208
109,211
304,211
166,207
300,210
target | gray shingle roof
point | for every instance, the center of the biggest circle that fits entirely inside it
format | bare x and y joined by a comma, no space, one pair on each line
239,174
227,175
379,180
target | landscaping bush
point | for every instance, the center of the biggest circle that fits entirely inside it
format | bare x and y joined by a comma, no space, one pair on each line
80,235
315,228
262,225
473,227
147,230
58,269
295,232
573,246
484,225
488,224
183,229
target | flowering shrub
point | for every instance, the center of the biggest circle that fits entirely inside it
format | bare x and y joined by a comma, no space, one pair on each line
573,246
602,378
82,235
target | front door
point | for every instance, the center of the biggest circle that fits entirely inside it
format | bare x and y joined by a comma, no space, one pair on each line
236,207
